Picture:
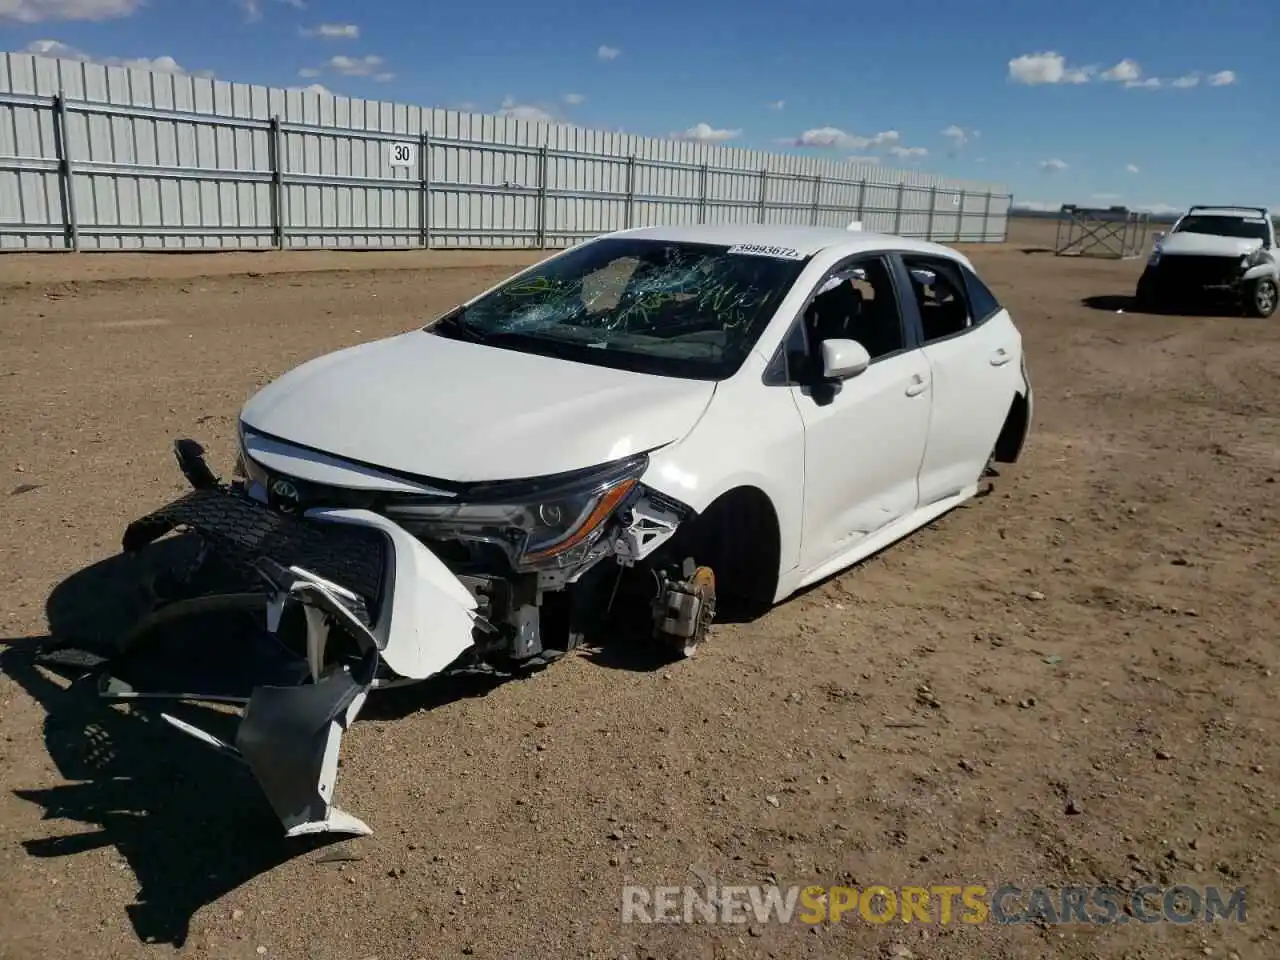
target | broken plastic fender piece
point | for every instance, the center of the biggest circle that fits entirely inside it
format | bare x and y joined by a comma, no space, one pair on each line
290,738
428,616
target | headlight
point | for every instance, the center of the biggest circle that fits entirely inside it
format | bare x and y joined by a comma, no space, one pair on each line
552,522
1252,259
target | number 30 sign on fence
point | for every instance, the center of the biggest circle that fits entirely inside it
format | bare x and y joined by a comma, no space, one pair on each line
401,154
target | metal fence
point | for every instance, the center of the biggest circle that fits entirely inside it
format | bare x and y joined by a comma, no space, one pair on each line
96,157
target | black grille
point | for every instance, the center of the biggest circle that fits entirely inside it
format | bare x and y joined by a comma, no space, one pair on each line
1198,271
242,531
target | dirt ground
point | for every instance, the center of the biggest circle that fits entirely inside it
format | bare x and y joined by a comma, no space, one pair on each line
1071,682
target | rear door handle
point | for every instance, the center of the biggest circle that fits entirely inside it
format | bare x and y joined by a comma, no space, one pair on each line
917,386
1001,357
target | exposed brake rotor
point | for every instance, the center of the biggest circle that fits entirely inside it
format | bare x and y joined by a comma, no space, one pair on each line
685,609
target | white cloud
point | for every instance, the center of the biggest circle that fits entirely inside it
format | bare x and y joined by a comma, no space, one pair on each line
574,99
38,11
1123,72
906,153
355,66
1053,164
605,52
776,104
161,64
319,88
834,137
55,48
333,31
1034,69
1131,168
308,72
524,111
959,136
253,8
871,161
1049,67
1038,206
385,77
705,133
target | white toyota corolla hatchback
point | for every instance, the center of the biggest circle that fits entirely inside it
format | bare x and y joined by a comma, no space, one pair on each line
735,411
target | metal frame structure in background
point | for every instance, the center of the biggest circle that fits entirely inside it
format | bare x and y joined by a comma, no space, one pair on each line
423,182
1112,232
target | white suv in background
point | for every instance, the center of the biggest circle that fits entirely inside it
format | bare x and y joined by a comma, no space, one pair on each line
1224,252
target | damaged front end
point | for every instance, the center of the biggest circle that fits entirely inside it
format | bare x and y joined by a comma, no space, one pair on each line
349,591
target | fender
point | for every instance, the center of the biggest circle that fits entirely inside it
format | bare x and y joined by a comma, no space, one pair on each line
1267,268
748,436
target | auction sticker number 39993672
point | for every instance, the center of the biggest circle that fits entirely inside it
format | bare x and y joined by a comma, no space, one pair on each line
764,250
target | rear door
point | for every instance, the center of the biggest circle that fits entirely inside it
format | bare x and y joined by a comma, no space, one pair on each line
973,351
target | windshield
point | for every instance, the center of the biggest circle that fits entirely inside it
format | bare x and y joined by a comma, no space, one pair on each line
1246,228
689,310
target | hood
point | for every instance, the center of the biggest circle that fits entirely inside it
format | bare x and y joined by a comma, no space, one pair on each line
465,412
1206,245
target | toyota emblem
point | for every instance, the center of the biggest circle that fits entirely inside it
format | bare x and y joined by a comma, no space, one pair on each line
286,495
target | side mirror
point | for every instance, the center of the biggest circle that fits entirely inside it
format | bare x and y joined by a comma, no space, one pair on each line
842,359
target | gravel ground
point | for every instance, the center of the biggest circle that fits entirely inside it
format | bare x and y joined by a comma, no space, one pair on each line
1068,682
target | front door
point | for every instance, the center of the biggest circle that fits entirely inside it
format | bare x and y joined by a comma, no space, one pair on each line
864,436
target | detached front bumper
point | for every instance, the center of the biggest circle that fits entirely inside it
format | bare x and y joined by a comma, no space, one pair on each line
339,601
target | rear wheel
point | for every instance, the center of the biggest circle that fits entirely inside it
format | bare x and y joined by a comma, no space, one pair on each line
1261,298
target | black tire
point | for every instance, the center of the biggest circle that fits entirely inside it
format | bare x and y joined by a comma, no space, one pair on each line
1145,299
1261,298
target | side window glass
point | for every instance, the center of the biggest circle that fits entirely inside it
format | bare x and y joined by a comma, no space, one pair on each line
940,295
982,301
856,302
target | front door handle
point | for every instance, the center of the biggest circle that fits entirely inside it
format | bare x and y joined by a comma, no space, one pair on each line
917,386
1000,357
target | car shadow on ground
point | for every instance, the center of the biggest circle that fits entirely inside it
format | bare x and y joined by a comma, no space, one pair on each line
146,790
192,825
1113,303
141,784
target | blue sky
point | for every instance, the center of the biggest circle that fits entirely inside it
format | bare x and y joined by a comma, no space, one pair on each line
1152,103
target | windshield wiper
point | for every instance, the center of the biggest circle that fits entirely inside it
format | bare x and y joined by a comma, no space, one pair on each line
456,327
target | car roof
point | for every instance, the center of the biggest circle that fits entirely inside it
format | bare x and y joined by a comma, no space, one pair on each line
803,239
1226,212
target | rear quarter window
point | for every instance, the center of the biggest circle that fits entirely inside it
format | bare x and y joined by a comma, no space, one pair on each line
981,300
